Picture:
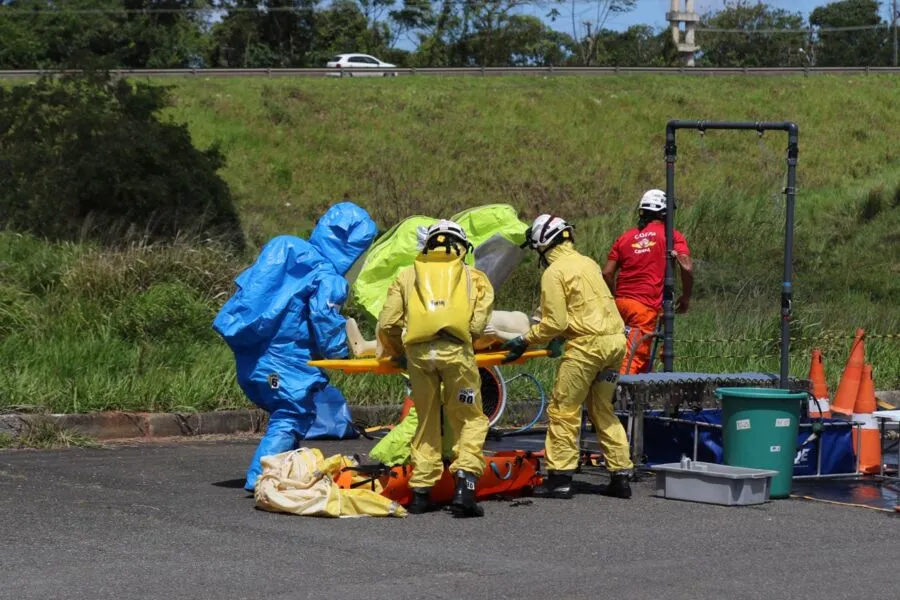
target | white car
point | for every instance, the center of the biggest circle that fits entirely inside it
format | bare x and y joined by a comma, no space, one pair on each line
359,61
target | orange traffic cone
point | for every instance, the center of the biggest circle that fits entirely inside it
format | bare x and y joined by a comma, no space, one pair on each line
821,406
867,438
845,397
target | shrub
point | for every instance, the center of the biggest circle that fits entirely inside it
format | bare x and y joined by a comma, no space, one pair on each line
85,156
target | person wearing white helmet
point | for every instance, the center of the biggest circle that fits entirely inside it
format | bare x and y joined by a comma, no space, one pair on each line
433,312
578,309
639,257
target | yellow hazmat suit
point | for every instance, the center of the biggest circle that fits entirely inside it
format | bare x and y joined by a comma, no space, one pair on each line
443,305
302,482
576,304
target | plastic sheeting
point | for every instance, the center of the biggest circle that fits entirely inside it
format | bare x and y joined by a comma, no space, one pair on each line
860,493
494,230
287,311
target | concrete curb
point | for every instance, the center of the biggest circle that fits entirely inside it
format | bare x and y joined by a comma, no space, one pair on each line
126,425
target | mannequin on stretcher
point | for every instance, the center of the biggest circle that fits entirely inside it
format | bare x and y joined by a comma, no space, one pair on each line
503,326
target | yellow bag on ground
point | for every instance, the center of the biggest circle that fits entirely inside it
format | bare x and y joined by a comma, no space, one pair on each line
302,482
440,299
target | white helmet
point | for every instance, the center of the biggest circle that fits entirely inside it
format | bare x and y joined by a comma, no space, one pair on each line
544,230
438,234
653,200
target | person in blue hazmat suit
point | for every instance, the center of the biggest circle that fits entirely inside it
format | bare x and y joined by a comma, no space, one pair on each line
287,311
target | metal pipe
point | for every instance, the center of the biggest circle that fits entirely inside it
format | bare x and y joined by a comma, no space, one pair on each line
669,281
894,27
787,283
818,455
790,191
696,437
637,344
830,476
719,426
818,475
739,125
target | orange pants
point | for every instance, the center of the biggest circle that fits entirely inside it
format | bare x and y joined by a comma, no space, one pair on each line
641,319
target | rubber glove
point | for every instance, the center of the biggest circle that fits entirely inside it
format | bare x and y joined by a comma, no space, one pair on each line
399,361
515,348
555,347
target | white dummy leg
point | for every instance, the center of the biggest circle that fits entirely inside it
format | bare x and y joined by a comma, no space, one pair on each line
359,346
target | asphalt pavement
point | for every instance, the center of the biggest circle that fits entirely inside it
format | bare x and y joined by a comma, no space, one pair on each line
170,520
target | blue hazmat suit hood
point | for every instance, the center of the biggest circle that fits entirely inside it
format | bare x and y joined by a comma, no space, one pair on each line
343,234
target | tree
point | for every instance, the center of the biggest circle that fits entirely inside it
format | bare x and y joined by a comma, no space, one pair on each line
864,47
255,36
164,39
413,16
587,33
349,26
637,46
88,156
754,47
51,34
479,33
514,40
341,28
528,42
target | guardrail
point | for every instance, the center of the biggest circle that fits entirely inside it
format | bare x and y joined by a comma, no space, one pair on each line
477,71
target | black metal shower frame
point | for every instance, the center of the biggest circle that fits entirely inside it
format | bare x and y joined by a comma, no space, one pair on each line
790,191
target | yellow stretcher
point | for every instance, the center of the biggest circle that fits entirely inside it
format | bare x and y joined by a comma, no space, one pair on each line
384,366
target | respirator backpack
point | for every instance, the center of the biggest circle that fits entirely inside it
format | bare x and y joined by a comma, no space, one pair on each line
439,299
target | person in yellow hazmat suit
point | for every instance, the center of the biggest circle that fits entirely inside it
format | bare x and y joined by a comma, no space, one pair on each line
577,309
433,312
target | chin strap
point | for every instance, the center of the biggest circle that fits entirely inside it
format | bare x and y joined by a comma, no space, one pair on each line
449,243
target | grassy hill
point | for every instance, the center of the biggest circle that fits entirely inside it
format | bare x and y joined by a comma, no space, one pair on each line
86,329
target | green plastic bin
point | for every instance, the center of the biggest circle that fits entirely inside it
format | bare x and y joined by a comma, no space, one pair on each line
759,431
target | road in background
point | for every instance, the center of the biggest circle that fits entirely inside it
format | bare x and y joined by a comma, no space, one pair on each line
486,72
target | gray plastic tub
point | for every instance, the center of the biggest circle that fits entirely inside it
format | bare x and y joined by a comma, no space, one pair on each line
713,483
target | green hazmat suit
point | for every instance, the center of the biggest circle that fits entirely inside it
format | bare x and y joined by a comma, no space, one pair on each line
394,448
494,230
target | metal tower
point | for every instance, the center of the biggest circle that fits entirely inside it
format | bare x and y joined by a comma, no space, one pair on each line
676,16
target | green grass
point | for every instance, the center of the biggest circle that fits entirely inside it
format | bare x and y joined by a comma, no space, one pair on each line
83,329
585,146
46,435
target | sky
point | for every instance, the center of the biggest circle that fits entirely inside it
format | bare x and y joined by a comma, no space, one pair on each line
653,12
647,12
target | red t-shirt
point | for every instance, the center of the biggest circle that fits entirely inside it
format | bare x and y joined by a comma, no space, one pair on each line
641,255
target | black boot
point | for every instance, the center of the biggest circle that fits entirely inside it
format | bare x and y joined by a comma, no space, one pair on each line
464,504
556,485
618,485
421,502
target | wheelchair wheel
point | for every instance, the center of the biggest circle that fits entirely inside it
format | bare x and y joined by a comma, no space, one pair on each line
493,394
